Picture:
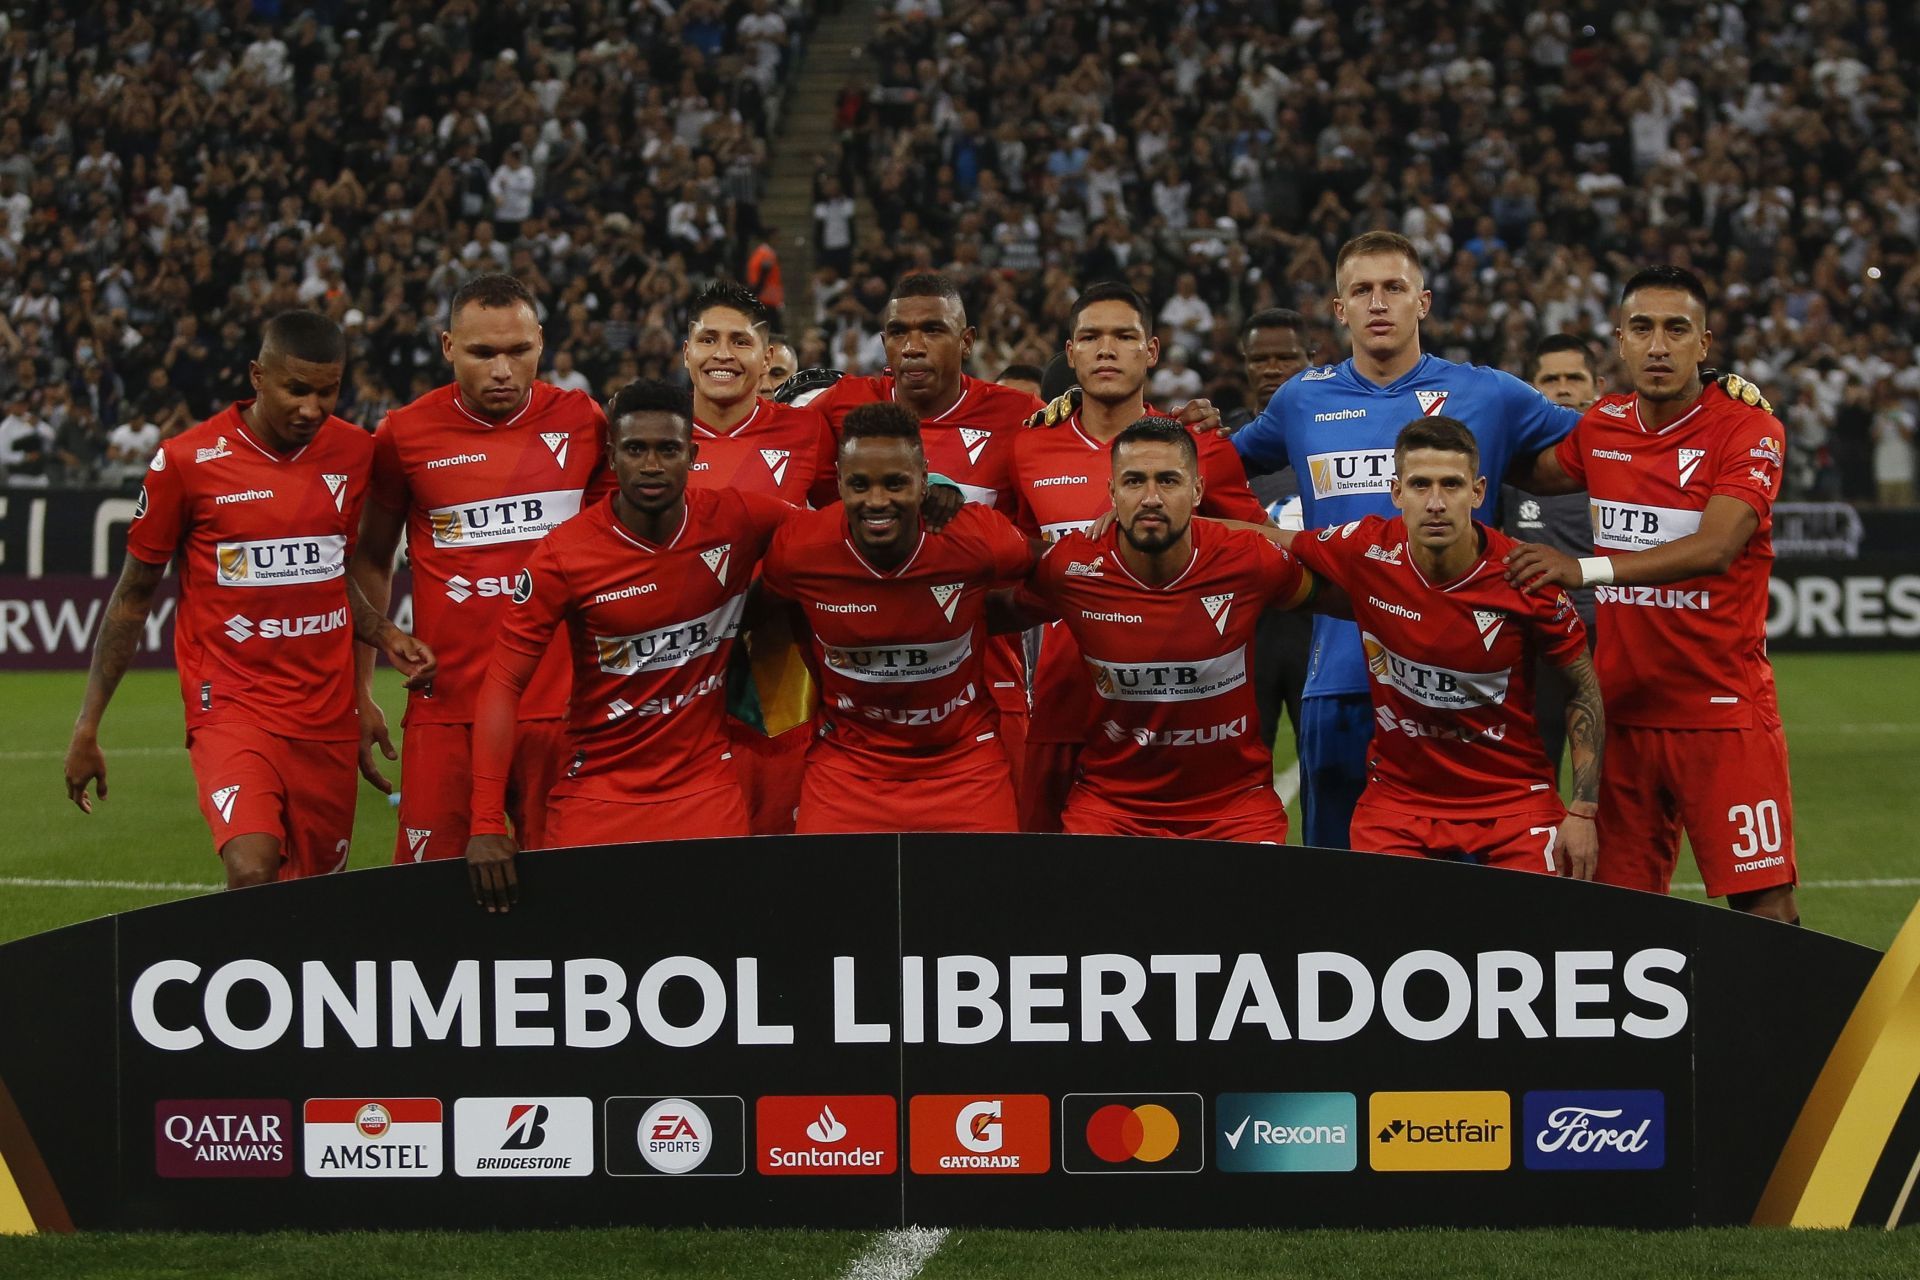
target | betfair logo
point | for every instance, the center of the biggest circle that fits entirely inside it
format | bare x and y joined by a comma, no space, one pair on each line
1441,1131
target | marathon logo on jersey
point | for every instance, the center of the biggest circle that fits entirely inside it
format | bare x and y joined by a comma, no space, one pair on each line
557,444
847,1135
417,838
1218,608
1352,471
219,450
948,597
776,460
1006,1133
337,486
691,1136
223,1138
1169,681
241,628
524,517
457,460
718,559
460,588
1340,415
1689,463
1654,598
373,1137
1431,402
279,562
245,495
1489,623
884,664
1594,1129
1435,687
674,645
522,1137
1627,526
974,441
1052,482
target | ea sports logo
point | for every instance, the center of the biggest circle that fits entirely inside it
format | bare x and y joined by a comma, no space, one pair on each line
372,1120
674,1136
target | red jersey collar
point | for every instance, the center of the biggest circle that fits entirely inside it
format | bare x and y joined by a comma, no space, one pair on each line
739,428
651,548
488,423
240,427
1193,531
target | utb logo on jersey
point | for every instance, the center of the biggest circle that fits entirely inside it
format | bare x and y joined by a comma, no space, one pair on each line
1489,624
1430,401
557,442
1218,607
717,559
948,597
337,486
1689,463
975,441
776,460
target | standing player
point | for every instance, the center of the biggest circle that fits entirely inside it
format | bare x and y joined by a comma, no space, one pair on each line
257,507
1682,476
1163,608
909,735
1061,483
1456,768
475,473
649,585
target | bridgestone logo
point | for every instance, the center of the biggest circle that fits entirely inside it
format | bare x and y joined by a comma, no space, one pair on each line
524,1162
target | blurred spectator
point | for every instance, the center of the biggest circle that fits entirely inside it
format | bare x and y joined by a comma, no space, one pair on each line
26,446
1893,454
565,376
130,447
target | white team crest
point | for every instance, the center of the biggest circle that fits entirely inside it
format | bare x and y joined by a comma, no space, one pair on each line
417,841
337,486
223,801
1489,624
975,440
558,442
1430,401
776,460
1218,607
1689,463
717,559
948,597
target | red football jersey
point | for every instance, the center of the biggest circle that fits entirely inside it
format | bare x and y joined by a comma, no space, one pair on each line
1175,732
1060,487
778,450
1692,654
1452,667
478,495
260,539
649,629
900,654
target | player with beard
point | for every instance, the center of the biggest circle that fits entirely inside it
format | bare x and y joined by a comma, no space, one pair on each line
474,474
257,508
1682,473
908,736
649,586
1162,608
1061,482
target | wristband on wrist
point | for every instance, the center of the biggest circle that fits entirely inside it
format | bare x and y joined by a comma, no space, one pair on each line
1596,570
1588,811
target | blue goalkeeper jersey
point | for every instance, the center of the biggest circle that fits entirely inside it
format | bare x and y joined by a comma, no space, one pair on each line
1336,430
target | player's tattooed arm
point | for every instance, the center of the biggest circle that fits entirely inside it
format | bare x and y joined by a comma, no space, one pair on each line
409,654
120,633
1586,740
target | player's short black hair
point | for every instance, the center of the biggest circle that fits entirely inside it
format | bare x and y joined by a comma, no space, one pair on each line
650,395
781,340
1554,343
492,290
1273,318
1023,372
1110,291
882,420
1059,377
734,297
1448,435
303,335
1155,429
927,284
1666,277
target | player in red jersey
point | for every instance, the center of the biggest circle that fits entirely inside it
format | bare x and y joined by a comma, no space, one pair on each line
257,507
1060,486
909,735
749,442
475,473
1163,610
1456,768
1682,475
649,585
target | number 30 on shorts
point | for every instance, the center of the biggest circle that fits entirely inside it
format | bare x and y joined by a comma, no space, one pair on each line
1759,828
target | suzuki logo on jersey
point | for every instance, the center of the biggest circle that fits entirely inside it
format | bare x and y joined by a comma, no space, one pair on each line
337,486
717,559
1170,681
525,517
417,838
670,646
1489,624
277,562
1431,402
1689,463
460,588
223,801
1353,471
556,442
1434,686
1391,723
1218,607
776,460
948,597
1621,526
241,628
975,441
880,664
1654,597
1201,737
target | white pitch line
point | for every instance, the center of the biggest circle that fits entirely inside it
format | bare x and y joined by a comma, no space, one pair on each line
143,886
896,1255
1898,882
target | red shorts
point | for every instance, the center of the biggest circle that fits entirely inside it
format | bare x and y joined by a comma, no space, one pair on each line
1044,786
1728,787
1256,818
436,787
836,799
580,820
770,771
1517,841
252,782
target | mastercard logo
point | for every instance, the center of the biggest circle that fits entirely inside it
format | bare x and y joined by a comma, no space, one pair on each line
1137,1133
1148,1133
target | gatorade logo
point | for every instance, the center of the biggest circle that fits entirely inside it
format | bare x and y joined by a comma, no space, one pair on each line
979,1133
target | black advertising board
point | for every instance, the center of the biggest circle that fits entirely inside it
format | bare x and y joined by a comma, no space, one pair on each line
1014,1031
1844,605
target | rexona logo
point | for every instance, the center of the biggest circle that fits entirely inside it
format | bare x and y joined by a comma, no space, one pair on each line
980,1133
223,1138
1594,1129
523,1137
846,1135
1132,1133
1286,1133
1440,1131
373,1138
694,1136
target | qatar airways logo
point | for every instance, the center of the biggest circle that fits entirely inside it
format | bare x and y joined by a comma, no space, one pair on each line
885,664
523,517
1627,526
1436,687
1168,681
674,645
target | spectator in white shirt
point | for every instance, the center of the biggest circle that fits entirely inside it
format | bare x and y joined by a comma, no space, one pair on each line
565,376
130,447
512,188
26,446
1187,313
